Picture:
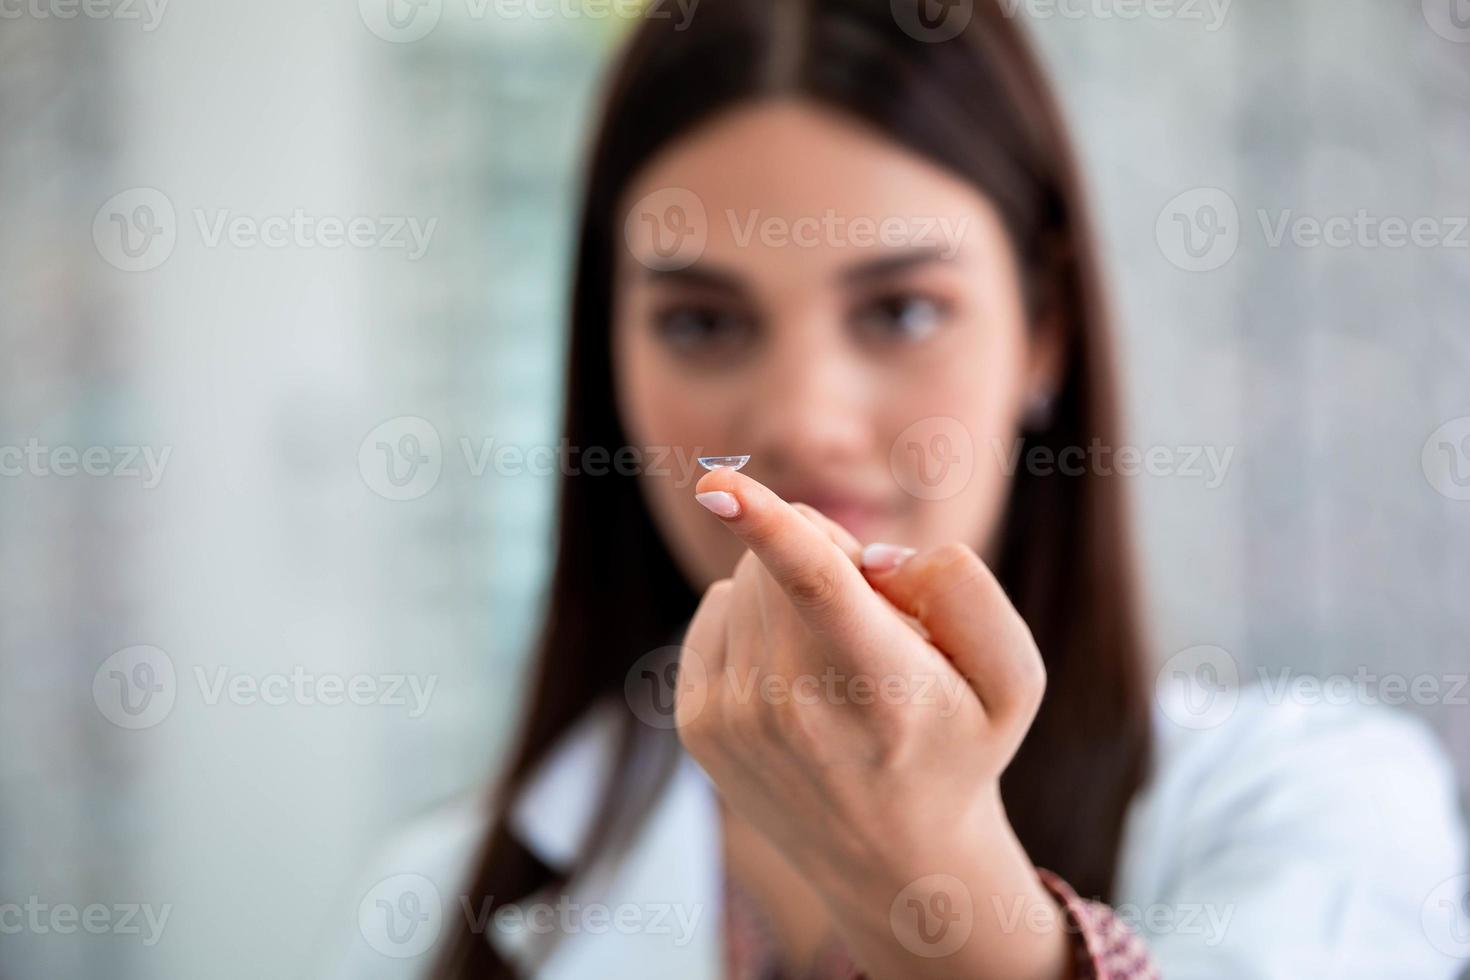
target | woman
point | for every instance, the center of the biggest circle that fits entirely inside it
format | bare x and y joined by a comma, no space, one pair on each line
912,733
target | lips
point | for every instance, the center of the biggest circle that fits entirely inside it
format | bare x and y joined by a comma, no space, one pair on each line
861,516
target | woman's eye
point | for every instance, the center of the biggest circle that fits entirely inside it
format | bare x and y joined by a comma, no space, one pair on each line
702,330
905,317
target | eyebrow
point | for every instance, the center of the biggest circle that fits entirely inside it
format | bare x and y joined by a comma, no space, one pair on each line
700,274
890,264
716,278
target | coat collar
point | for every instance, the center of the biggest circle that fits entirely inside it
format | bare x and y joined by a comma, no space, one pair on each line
658,896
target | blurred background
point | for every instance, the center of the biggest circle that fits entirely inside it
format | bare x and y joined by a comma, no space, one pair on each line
251,251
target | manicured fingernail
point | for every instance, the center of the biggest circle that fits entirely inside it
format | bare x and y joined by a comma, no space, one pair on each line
878,557
721,503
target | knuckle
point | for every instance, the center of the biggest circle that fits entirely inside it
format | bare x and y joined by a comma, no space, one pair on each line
813,588
949,568
793,726
748,565
1033,675
809,512
954,560
717,594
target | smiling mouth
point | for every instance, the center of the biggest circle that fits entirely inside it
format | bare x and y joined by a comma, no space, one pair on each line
860,517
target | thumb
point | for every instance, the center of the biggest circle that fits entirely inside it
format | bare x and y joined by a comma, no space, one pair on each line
968,617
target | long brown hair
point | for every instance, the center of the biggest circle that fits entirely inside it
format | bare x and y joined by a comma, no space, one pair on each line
978,105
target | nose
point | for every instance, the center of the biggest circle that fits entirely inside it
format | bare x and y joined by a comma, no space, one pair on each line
810,402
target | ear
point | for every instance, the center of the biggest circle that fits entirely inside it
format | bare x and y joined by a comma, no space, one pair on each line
1046,354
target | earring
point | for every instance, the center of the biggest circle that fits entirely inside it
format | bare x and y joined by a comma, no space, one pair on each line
1037,414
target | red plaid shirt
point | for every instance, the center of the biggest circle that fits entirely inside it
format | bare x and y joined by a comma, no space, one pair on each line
1105,947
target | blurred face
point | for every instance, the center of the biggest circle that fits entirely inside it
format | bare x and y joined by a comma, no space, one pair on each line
800,289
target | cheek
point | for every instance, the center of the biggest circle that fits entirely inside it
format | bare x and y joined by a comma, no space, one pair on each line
670,421
955,431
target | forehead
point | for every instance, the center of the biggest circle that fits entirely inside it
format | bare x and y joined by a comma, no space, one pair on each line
783,191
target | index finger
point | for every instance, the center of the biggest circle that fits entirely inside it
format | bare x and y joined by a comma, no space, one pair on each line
819,579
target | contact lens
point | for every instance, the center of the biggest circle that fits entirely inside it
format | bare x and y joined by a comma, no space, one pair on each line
723,462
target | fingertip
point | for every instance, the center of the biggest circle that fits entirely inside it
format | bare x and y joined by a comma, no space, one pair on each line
725,478
881,557
721,503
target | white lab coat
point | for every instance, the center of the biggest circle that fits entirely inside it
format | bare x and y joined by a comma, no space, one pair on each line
1288,842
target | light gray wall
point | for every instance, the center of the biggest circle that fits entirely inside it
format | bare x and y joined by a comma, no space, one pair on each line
269,544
